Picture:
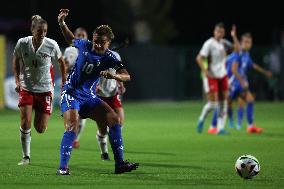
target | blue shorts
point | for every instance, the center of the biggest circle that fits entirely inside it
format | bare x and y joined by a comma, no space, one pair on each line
235,90
84,106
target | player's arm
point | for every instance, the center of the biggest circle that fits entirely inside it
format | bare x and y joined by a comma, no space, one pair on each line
262,70
200,61
235,67
121,87
62,69
121,75
16,70
236,42
68,35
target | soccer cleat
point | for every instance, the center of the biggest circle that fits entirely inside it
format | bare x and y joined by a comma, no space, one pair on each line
125,166
200,126
212,130
63,172
254,129
76,144
223,132
25,161
105,157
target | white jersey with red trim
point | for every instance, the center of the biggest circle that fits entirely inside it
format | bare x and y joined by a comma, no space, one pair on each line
215,52
36,71
109,87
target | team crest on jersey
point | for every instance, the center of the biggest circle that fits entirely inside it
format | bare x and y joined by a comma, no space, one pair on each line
43,55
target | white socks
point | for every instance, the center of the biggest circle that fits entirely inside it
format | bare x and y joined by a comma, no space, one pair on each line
208,108
222,115
102,141
81,127
25,136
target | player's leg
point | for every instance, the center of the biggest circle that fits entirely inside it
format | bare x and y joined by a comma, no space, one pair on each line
230,114
82,123
223,104
213,127
26,106
212,102
241,105
104,115
70,108
25,133
43,110
71,121
250,114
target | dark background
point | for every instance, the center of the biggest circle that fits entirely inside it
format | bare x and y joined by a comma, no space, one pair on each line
162,63
192,20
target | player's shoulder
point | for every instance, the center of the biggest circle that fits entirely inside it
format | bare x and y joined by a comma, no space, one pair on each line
209,41
49,41
113,55
24,40
70,49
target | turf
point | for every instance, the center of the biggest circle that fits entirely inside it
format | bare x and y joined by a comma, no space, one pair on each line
163,138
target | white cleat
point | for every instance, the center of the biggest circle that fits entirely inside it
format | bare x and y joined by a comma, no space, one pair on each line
25,161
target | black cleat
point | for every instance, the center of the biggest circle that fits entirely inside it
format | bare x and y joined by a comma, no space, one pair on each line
105,157
63,172
125,166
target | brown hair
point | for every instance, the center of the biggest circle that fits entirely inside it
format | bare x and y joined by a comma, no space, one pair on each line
104,30
246,35
37,19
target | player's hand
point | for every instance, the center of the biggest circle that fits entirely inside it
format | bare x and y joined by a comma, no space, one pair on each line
208,74
122,89
62,15
107,75
268,74
234,31
98,89
17,88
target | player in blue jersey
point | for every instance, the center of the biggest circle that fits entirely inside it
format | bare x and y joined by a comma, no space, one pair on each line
238,64
78,98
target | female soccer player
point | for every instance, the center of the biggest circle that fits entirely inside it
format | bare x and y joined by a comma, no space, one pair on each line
78,98
33,70
215,76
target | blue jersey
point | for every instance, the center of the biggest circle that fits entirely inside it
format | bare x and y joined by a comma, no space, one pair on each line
85,74
231,59
245,64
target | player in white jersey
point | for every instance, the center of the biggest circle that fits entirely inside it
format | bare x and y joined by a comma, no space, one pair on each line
33,60
216,81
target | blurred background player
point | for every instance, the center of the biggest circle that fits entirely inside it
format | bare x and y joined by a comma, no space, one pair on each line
78,96
215,81
33,70
238,65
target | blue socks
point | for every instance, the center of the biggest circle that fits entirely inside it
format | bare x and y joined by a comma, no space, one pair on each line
66,148
214,119
240,116
250,113
116,142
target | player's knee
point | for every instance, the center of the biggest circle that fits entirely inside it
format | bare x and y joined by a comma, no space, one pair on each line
113,119
72,125
40,129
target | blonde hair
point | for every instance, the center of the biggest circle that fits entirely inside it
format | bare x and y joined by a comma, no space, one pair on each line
37,19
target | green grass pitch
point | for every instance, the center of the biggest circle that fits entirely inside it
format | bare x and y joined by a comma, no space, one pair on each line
162,138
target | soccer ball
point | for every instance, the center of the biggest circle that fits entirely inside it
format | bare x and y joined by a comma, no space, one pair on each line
247,166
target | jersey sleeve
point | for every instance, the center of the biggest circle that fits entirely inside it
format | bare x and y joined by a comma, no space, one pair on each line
118,64
17,49
80,43
205,49
57,51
